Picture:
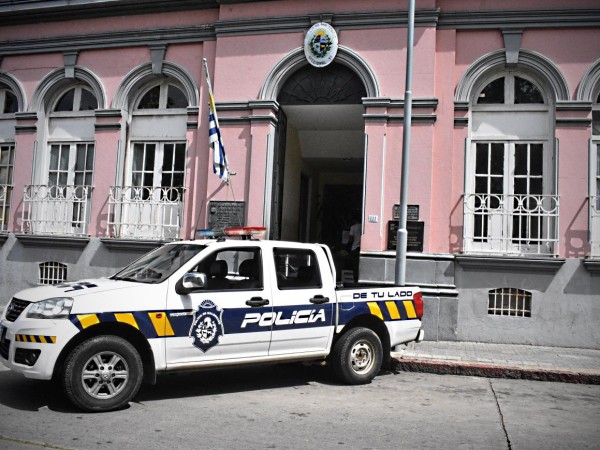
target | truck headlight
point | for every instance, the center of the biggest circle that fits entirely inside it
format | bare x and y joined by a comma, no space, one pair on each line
52,308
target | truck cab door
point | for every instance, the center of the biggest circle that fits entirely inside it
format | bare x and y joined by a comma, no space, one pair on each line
303,303
209,320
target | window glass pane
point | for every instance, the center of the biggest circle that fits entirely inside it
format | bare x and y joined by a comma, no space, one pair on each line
481,160
65,103
177,180
520,186
150,99
10,103
596,122
521,159
167,180
176,98
535,186
88,101
78,178
89,161
63,178
296,269
497,159
168,158
136,179
54,153
138,157
80,160
3,175
481,185
4,156
180,157
149,164
492,93
497,186
64,157
527,92
537,159
148,179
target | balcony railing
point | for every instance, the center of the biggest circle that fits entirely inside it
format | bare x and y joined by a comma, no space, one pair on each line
511,224
60,210
144,212
5,193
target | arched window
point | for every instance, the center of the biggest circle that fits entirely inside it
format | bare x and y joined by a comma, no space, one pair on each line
8,100
78,98
150,203
9,105
510,201
60,203
163,96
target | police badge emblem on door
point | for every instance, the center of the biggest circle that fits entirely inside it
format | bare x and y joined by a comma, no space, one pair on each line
207,326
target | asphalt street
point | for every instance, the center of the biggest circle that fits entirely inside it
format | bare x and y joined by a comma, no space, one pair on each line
299,407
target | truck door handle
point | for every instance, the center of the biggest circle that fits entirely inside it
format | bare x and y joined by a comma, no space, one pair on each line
257,301
319,300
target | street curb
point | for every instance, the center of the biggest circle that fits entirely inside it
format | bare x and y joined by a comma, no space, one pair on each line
492,371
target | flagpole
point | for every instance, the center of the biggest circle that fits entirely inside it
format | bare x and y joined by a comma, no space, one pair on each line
210,92
223,165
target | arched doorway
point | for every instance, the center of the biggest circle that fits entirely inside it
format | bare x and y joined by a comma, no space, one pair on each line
319,155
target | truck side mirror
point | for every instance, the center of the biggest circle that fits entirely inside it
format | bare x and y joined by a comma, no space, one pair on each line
191,282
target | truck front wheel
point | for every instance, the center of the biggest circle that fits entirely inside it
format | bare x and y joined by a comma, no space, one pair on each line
102,374
357,356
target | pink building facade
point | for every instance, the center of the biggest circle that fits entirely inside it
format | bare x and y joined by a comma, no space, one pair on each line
104,145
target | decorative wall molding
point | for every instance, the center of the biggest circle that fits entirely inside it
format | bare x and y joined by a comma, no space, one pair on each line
56,79
139,75
589,88
540,18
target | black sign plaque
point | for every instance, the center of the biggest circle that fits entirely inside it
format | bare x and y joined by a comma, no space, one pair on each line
412,212
415,232
225,214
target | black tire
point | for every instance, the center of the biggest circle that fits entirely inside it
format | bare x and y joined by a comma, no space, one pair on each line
102,374
357,356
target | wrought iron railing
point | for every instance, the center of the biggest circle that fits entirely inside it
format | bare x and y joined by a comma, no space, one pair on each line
145,212
5,194
511,224
60,210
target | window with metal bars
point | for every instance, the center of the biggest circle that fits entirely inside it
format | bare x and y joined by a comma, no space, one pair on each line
509,302
52,272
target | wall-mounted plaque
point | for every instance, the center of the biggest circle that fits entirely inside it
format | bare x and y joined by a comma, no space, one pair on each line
412,212
225,214
415,232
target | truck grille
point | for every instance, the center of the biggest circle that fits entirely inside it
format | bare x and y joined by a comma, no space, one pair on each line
15,308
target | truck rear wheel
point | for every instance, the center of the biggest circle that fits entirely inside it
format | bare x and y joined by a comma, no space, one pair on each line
357,356
102,374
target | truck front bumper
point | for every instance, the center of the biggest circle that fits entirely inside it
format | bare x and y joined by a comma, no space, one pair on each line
32,346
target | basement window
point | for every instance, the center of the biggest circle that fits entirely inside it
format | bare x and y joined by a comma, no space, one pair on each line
509,302
52,272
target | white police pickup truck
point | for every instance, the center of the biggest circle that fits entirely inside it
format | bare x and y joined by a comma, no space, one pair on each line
197,304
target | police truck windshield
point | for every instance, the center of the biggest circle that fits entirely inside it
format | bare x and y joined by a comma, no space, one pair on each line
158,265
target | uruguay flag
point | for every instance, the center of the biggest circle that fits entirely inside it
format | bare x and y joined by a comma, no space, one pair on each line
215,142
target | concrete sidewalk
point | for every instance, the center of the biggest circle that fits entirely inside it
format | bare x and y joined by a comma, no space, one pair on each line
571,365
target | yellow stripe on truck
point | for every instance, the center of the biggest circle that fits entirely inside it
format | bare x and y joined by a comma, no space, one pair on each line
393,310
162,326
87,320
410,309
127,318
375,310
